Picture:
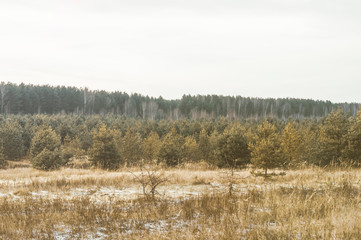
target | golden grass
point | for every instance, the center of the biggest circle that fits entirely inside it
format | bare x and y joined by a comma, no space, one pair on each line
311,203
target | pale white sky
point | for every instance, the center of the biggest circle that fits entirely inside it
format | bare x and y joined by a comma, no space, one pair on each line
258,48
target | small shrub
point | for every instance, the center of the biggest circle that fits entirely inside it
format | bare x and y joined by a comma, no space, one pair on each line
47,160
3,162
45,138
45,153
150,177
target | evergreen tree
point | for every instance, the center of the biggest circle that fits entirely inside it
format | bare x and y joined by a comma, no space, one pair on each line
190,150
233,147
204,145
151,147
266,147
104,153
3,162
333,137
85,136
131,147
292,145
72,148
47,160
171,149
353,148
45,153
11,138
310,134
213,143
44,138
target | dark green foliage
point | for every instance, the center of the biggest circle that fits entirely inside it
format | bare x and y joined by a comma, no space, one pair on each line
131,147
232,149
171,149
3,162
104,153
309,131
353,148
72,148
265,147
11,140
44,138
204,145
219,141
47,160
45,153
190,150
34,99
151,147
333,138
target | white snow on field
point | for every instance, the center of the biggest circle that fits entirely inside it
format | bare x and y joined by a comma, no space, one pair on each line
100,194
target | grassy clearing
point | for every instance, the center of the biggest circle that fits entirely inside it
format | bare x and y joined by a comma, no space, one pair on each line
312,203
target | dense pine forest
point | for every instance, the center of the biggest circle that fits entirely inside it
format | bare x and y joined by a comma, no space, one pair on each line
110,141
34,99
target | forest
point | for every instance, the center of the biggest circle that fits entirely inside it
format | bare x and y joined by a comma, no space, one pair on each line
110,141
45,99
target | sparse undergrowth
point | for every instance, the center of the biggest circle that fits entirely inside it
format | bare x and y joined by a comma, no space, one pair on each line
304,204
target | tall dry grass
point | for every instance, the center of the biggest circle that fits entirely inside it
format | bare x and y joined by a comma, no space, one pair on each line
311,203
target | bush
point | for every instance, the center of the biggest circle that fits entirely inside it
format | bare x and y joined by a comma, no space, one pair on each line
44,138
45,153
3,162
47,160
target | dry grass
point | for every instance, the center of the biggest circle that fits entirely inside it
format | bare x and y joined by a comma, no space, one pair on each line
311,203
19,164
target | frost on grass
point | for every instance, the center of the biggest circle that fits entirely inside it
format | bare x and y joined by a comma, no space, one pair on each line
100,194
301,205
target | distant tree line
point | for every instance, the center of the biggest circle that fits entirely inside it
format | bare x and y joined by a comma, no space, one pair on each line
34,99
110,141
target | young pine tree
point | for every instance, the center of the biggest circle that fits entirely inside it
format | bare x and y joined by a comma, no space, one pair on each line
353,149
11,136
104,153
72,148
131,147
310,132
214,139
3,162
171,149
292,145
204,145
151,147
333,137
45,150
190,150
266,147
232,149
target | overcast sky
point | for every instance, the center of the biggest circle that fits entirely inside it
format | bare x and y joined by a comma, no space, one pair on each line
258,48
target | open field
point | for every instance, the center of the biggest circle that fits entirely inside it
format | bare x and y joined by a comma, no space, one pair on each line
312,203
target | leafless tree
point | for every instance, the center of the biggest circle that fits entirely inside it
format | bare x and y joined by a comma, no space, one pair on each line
150,177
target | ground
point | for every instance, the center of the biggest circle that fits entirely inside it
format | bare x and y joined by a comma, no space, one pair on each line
311,203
